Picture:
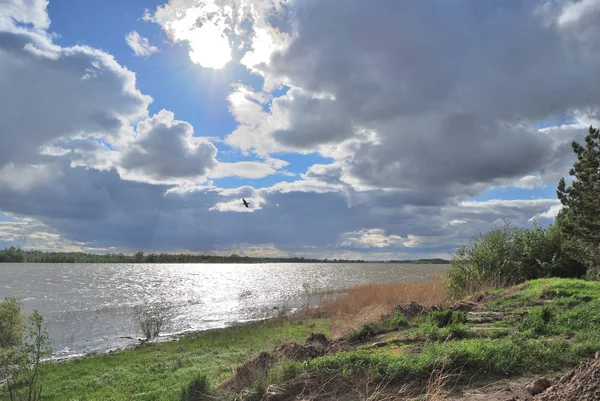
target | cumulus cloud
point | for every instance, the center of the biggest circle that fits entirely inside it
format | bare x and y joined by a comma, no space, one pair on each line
549,214
373,238
423,96
25,11
420,106
166,148
49,92
140,46
242,169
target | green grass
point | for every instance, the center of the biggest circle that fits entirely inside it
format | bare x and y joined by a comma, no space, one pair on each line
514,355
561,327
447,317
160,371
560,290
511,356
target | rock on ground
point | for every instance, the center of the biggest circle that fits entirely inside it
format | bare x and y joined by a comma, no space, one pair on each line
538,386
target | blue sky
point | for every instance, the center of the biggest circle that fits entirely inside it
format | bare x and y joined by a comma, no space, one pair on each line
354,134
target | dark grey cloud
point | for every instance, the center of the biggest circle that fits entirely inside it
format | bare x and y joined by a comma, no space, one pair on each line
451,92
421,104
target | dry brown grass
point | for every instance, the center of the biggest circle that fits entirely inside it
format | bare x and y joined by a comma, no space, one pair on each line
367,303
437,384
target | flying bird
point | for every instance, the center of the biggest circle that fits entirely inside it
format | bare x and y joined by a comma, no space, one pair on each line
245,203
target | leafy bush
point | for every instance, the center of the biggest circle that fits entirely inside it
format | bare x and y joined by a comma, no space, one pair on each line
197,390
22,347
508,255
397,320
11,323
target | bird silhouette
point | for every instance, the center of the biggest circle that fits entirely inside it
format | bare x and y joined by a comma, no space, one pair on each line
245,203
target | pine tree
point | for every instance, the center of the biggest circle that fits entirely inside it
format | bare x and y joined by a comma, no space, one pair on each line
580,217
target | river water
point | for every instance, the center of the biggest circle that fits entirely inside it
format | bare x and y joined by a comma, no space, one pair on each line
92,307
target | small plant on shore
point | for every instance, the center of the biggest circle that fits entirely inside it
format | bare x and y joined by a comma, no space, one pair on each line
151,321
196,390
364,332
307,294
22,347
398,320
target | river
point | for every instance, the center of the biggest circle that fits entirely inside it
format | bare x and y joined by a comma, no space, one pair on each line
94,307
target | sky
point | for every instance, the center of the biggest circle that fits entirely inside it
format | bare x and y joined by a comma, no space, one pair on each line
373,130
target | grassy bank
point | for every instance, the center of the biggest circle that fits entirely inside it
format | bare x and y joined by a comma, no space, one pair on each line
423,350
159,371
538,327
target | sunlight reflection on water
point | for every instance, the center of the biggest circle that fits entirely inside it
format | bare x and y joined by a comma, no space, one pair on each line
89,307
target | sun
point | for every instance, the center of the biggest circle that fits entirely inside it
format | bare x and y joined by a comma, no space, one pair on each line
209,47
207,39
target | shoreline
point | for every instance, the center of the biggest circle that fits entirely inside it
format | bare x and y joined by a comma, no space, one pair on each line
162,338
499,335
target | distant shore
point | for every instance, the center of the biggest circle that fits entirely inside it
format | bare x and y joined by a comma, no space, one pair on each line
17,255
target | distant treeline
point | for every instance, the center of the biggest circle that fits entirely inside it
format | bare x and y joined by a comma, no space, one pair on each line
17,255
422,261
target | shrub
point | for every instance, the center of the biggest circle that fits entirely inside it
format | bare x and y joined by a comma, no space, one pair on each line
197,390
364,332
396,321
151,321
22,348
11,323
509,255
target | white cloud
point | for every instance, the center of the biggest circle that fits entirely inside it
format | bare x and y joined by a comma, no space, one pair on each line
242,169
25,11
508,203
140,46
551,213
200,23
236,205
528,182
420,107
214,29
60,93
573,12
373,238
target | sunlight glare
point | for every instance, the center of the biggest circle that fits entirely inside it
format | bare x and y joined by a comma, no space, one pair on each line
209,47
